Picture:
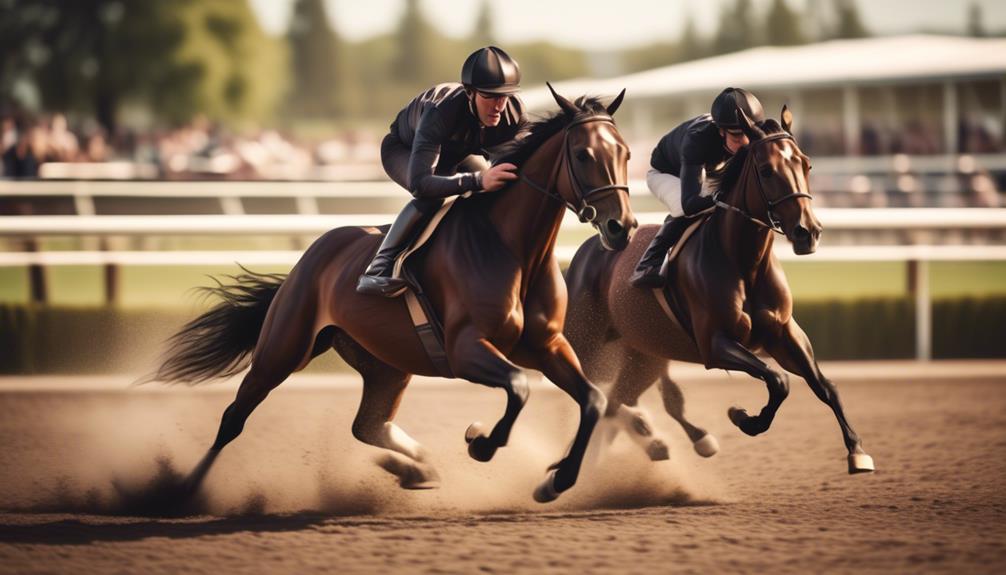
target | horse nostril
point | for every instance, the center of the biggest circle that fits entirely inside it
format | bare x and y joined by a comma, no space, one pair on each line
801,233
615,227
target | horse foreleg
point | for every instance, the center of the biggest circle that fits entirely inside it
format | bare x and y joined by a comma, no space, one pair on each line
793,351
556,360
474,358
727,353
674,403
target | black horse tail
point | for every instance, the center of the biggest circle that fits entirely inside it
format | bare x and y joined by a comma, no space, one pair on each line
219,342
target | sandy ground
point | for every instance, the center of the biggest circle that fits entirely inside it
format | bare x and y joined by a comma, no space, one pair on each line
297,494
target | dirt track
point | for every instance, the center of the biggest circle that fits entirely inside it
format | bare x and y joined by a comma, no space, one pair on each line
297,494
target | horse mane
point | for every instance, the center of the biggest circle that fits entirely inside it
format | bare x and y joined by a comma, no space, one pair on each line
724,179
536,133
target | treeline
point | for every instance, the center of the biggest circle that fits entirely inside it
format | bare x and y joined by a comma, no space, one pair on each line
163,62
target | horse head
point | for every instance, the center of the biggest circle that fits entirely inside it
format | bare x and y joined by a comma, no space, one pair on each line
593,176
783,191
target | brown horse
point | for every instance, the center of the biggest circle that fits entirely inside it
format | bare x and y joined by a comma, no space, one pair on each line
490,274
728,290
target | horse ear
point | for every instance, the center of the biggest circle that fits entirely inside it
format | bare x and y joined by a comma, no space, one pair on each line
615,103
565,104
754,133
787,119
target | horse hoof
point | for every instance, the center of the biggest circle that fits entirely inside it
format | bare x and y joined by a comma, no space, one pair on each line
860,463
743,421
738,415
658,451
546,492
476,429
707,446
481,449
421,477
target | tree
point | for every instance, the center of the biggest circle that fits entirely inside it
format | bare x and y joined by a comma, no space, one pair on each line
782,25
414,63
976,27
848,22
691,46
321,84
482,34
738,28
176,57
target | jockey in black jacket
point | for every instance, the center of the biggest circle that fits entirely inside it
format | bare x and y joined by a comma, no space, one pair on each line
437,148
677,165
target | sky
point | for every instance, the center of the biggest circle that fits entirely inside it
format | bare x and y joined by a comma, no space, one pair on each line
614,24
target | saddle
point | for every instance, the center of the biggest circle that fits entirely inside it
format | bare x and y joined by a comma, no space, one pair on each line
428,326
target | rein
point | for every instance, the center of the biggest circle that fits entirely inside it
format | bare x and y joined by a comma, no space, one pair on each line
773,223
585,212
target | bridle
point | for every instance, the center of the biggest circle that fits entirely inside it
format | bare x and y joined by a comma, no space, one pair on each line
586,212
773,223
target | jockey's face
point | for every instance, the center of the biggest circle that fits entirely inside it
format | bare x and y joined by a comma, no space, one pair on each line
734,140
490,107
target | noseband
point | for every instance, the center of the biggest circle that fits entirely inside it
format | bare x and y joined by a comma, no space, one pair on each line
586,212
773,223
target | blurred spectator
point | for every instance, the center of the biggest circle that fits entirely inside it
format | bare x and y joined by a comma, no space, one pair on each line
23,158
62,143
8,133
979,135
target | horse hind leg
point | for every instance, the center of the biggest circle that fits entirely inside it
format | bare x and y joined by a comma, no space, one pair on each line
284,346
383,386
637,374
704,443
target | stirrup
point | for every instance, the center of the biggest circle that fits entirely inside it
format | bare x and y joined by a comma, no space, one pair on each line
649,278
382,286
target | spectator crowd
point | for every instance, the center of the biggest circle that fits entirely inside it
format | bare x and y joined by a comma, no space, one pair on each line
48,147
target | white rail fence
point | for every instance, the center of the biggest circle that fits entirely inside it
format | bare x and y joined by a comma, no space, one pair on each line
917,219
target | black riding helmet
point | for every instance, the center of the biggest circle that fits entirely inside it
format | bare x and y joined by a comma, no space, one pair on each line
725,108
491,70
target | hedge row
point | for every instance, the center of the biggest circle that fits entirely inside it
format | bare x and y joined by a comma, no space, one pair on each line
43,340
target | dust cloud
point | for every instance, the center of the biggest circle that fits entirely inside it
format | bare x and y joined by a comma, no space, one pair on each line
128,453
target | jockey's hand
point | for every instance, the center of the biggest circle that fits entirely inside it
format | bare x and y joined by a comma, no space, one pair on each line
497,176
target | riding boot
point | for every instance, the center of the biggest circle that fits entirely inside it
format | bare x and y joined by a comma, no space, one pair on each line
647,274
377,279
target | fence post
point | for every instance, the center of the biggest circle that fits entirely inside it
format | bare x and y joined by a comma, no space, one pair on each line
918,286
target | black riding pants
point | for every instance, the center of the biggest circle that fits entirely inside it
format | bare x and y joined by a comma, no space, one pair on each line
395,156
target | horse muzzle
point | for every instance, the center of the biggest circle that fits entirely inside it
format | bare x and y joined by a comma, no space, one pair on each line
615,236
804,240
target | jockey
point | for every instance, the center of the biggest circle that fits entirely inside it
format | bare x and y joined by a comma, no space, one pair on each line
676,171
437,148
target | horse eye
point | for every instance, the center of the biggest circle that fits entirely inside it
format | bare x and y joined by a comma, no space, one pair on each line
583,155
766,172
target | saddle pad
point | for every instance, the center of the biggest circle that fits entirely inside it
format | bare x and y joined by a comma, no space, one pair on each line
662,294
425,236
676,249
423,315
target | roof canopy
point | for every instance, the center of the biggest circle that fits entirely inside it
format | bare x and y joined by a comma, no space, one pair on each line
881,60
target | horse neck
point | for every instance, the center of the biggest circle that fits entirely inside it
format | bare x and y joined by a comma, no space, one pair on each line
746,244
526,219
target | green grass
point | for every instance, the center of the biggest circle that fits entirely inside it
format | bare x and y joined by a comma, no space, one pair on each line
172,286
